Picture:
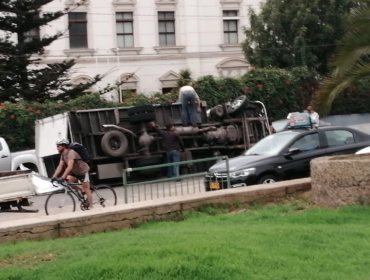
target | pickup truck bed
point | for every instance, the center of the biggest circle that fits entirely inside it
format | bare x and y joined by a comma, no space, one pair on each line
15,189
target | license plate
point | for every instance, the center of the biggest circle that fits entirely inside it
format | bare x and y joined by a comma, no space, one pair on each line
215,186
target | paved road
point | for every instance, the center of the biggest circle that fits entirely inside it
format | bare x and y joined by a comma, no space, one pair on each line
134,194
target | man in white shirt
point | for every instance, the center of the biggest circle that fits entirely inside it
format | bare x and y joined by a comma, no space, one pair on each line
190,105
315,118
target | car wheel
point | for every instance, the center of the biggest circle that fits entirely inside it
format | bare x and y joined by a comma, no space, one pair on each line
268,179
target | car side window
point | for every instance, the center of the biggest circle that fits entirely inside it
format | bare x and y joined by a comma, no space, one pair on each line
339,137
307,143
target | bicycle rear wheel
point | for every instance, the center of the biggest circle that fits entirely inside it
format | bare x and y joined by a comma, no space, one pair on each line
104,195
60,202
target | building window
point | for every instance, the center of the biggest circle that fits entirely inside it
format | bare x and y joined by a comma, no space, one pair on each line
230,27
125,30
77,30
31,35
166,27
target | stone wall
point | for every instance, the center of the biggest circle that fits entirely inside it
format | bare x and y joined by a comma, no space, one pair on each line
129,215
341,180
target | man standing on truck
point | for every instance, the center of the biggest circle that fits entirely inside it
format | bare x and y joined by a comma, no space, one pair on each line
190,105
173,145
74,169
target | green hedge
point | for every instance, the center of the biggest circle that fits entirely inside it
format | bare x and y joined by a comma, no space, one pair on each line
282,91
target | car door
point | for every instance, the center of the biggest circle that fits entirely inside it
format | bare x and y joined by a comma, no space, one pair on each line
5,159
340,142
298,165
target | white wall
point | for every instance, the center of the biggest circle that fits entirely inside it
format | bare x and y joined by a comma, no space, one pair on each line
199,30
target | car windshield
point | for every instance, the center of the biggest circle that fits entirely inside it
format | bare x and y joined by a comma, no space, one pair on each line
271,145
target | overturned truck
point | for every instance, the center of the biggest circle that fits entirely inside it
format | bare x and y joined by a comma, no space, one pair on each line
119,138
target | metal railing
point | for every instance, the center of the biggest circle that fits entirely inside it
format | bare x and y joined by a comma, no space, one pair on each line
175,186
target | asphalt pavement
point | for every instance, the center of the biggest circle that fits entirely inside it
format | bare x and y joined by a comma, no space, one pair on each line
134,194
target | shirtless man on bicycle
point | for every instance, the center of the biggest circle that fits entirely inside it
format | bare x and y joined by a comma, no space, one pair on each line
74,169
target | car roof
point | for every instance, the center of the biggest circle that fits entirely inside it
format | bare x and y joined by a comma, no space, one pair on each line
305,130
293,131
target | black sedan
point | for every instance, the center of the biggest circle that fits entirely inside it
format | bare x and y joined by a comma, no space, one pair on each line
285,156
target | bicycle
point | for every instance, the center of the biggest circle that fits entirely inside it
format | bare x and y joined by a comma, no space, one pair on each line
102,194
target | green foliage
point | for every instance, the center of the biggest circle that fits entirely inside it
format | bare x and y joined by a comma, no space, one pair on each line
351,60
282,91
354,100
185,78
294,33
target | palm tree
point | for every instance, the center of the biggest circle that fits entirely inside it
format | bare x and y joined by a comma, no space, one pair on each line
351,62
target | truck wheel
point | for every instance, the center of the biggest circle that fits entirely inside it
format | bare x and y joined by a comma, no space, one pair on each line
142,118
140,110
147,161
217,112
114,143
238,105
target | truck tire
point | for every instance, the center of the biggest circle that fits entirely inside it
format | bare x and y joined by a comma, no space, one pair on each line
140,110
141,162
147,161
238,105
114,143
142,118
217,112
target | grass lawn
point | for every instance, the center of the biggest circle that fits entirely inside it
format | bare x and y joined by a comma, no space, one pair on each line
272,242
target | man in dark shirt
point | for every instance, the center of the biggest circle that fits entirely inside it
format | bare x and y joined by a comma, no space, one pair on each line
173,144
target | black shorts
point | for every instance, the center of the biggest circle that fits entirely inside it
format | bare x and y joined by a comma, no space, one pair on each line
83,178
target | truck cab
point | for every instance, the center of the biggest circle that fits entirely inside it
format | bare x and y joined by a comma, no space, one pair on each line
12,161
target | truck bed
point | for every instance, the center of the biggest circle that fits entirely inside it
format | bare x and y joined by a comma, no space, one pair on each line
15,185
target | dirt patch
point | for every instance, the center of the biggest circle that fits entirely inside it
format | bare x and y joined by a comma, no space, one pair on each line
26,260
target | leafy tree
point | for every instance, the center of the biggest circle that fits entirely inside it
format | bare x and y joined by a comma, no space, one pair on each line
24,76
291,33
351,61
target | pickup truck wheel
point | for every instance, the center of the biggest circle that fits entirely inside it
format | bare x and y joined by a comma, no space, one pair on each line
238,105
114,143
268,179
142,118
140,110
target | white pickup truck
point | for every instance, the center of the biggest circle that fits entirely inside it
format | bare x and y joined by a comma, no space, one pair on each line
15,189
12,161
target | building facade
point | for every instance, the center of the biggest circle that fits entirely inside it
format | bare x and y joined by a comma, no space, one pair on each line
154,39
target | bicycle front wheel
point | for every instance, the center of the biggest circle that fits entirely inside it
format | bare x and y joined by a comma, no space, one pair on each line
104,195
59,202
